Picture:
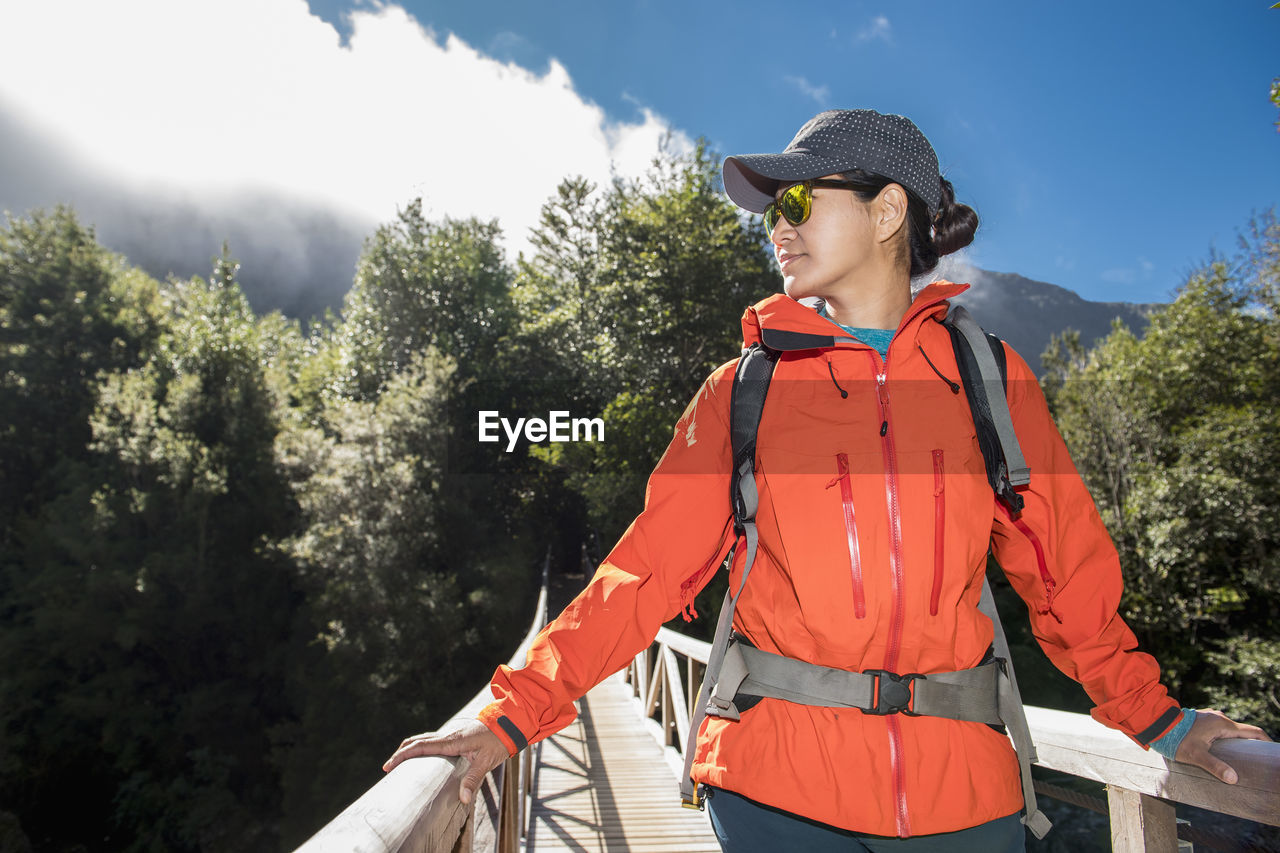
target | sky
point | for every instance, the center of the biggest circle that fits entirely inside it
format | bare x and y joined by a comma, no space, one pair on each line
1107,147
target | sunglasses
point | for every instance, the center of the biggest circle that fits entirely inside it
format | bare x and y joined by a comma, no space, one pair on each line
796,202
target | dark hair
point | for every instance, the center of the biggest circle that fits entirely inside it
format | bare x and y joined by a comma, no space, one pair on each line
952,229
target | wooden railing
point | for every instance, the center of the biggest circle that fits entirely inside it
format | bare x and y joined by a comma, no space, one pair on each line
1138,781
415,807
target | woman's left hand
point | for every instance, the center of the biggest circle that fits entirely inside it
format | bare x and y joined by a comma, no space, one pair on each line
1211,725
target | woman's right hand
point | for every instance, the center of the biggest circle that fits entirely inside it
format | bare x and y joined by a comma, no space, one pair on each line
472,739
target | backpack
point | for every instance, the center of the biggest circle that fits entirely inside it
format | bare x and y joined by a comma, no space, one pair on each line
986,693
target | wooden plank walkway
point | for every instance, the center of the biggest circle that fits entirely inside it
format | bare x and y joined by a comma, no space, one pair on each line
603,784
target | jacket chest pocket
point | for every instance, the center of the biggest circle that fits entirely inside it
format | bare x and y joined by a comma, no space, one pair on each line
939,528
829,538
955,507
849,515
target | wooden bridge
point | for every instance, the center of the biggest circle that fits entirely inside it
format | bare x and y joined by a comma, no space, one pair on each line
604,783
609,781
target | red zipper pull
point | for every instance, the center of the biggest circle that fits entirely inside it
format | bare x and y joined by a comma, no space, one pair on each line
883,394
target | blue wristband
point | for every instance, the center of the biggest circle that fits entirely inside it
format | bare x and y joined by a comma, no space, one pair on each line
1168,743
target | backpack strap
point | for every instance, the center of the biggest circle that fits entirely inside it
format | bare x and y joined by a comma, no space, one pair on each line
1014,715
746,404
984,374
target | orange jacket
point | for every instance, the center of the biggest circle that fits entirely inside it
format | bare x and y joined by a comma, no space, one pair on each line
875,518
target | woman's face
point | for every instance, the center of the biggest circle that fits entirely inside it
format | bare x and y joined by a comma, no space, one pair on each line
828,253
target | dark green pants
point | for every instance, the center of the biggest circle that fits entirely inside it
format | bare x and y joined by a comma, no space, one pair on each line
745,826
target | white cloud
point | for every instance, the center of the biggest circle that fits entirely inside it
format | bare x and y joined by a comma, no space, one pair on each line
1129,275
879,28
1118,275
262,95
961,266
821,94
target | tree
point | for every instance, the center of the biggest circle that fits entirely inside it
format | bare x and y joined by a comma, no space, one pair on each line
419,284
151,626
412,553
68,308
644,286
390,624
1173,435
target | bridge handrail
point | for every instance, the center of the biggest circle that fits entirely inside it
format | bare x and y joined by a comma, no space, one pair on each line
416,805
1066,742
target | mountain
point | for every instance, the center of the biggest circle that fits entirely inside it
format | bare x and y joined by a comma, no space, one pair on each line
1027,313
297,256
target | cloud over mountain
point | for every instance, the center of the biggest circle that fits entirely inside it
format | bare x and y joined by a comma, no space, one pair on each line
174,125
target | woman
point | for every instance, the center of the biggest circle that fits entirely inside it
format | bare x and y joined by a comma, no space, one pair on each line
874,519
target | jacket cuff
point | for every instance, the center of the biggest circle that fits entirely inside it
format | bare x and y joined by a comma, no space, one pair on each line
502,726
1162,726
1167,744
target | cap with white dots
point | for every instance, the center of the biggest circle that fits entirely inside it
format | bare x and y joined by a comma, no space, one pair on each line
838,141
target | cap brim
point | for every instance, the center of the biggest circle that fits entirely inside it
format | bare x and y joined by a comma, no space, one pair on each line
751,180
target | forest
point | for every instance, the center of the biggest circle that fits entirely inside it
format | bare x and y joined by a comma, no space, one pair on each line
242,555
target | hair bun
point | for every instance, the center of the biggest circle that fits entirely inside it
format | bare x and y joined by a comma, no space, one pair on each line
955,224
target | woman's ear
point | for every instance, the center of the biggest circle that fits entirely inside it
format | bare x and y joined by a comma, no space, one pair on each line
890,209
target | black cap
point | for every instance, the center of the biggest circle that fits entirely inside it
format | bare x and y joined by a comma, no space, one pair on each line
838,141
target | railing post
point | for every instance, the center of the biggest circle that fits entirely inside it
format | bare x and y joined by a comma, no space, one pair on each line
508,807
690,688
651,696
668,713
526,789
1141,823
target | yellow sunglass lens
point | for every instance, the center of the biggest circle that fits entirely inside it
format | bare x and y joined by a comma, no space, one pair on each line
794,204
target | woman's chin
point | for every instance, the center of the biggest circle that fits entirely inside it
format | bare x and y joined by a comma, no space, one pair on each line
795,288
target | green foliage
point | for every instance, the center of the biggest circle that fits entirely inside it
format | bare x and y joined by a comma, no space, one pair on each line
643,285
400,547
1275,90
422,284
383,614
163,625
1248,672
226,537
68,308
1174,435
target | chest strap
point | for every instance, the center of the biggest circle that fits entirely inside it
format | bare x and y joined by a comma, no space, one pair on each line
970,694
965,695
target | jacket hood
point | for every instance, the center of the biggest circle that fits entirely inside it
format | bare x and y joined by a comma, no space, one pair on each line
782,323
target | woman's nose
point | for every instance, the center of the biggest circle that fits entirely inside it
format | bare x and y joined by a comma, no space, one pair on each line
783,231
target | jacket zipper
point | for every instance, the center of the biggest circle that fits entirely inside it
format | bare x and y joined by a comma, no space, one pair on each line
896,576
939,528
1045,577
689,588
851,533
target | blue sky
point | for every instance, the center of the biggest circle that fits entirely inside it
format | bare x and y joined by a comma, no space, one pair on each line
1106,147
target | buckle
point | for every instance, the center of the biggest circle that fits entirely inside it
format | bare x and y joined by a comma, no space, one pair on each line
695,800
892,693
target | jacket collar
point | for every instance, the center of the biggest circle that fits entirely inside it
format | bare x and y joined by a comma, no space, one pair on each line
782,323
